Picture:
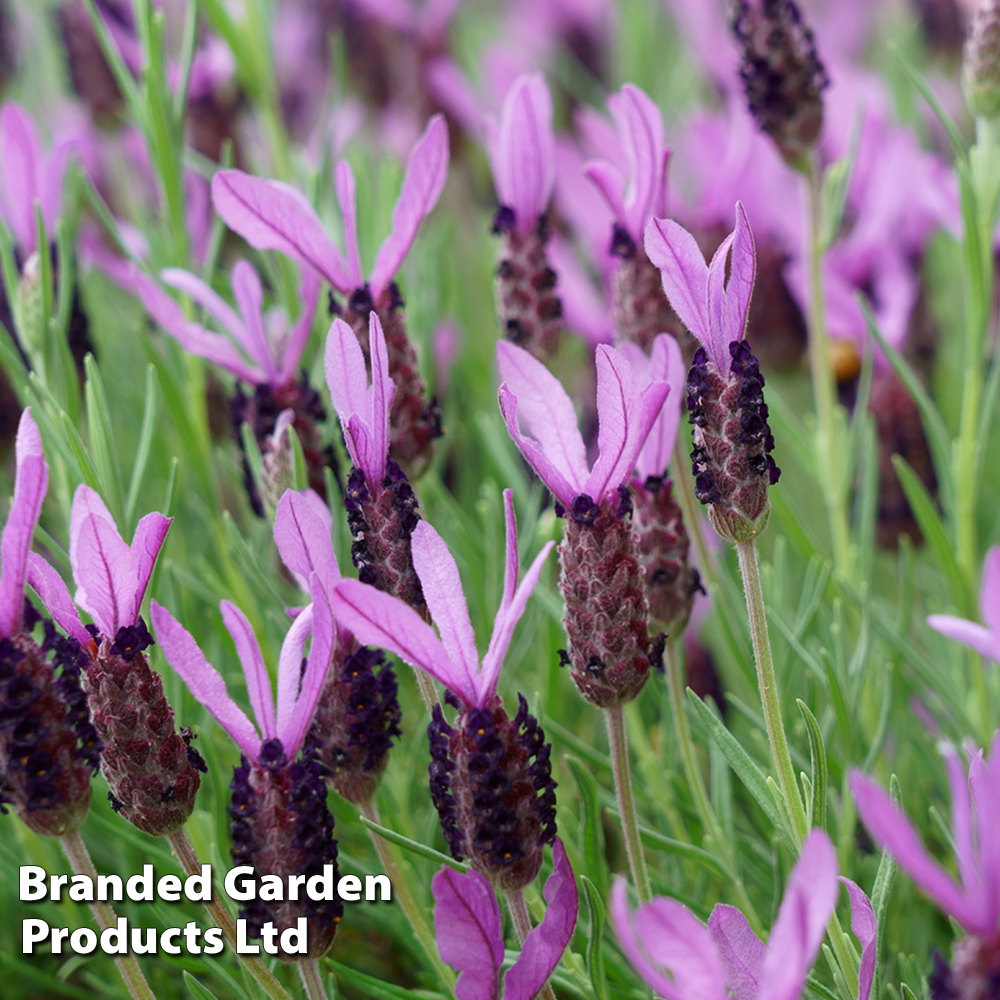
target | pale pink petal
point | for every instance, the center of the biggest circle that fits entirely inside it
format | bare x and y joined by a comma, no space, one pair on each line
290,675
962,825
303,539
22,165
609,181
347,199
203,680
644,131
685,279
865,929
30,483
206,297
665,364
547,410
545,944
250,299
468,928
442,590
742,273
51,588
254,669
893,831
309,289
981,639
718,332
381,393
740,950
810,897
617,409
270,215
347,378
989,592
451,89
984,780
378,619
147,541
426,172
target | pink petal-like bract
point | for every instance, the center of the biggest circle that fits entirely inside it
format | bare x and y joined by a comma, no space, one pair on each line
303,538
52,589
469,932
257,678
545,944
22,167
865,929
740,950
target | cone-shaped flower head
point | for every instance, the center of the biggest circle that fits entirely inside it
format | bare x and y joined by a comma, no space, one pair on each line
731,460
357,715
602,579
682,959
151,769
48,744
985,638
490,776
270,215
469,932
522,155
381,505
281,824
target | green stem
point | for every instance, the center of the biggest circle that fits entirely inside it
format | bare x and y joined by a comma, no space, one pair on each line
190,863
824,387
697,785
79,859
427,691
312,979
768,685
401,888
522,925
618,745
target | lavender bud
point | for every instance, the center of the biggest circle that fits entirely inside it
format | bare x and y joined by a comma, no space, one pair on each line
974,973
639,308
491,782
981,61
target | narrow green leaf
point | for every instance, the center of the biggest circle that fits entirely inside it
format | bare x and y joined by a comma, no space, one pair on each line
100,427
113,57
412,845
149,410
300,474
820,775
882,724
594,956
845,728
251,450
591,831
196,988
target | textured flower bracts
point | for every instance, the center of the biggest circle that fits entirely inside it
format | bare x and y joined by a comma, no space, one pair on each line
490,776
731,460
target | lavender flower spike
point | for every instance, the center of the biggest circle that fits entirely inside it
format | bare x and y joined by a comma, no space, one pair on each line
357,715
490,776
270,215
602,579
48,745
731,460
151,770
680,958
522,155
984,639
469,932
281,824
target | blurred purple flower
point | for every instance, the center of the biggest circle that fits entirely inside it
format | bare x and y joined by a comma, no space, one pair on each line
984,639
469,929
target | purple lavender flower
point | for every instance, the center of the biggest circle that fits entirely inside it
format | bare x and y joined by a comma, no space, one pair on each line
281,824
357,714
152,770
680,958
490,776
381,505
262,350
469,932
974,901
48,745
522,155
602,579
731,460
984,639
272,216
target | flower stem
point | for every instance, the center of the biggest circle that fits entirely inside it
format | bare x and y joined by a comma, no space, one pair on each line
828,456
618,745
427,691
697,785
189,862
768,685
522,925
79,859
419,926
312,979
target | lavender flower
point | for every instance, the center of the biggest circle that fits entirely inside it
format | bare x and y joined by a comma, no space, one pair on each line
357,715
981,62
381,505
48,745
272,216
469,932
281,824
984,639
262,350
490,776
731,460
601,579
680,958
522,155
974,901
